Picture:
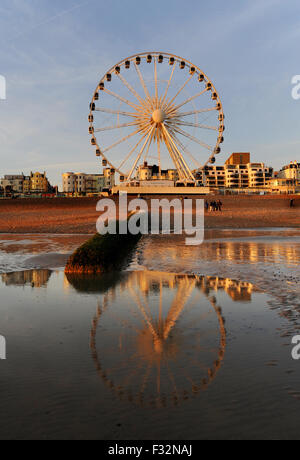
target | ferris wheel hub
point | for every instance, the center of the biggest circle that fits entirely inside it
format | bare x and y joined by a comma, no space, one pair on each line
158,116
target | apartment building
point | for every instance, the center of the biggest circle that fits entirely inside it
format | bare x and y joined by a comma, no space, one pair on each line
238,172
238,175
83,183
13,182
291,172
35,183
38,183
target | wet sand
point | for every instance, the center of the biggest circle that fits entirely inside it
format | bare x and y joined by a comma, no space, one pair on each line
37,251
61,370
268,258
79,215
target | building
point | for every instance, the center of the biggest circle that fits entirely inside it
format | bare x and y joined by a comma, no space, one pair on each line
39,183
95,183
20,184
109,178
238,175
284,186
13,183
291,172
26,185
238,172
147,172
82,183
238,159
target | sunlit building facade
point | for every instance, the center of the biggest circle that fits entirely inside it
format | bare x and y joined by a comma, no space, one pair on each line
243,175
148,172
39,183
82,183
13,183
291,172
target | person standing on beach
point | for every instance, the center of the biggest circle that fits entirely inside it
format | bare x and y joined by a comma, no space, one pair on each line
292,203
219,205
206,205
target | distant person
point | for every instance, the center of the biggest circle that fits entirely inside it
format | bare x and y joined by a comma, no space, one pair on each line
219,205
292,203
206,205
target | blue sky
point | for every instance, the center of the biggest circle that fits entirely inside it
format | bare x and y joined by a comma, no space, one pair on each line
53,53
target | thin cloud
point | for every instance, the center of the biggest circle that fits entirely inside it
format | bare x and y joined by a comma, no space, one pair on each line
51,19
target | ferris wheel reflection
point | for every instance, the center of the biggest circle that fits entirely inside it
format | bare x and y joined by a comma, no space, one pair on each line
158,339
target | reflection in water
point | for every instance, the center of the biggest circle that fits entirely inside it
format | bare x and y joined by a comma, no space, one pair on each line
157,340
164,250
256,252
36,278
160,338
93,283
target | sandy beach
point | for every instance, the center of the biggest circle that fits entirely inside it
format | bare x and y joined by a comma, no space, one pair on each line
79,215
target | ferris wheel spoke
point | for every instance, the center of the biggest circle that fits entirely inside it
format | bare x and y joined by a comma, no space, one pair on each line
149,144
188,172
176,156
173,156
181,160
169,83
124,139
122,99
182,173
131,89
181,89
192,112
131,152
196,125
156,83
148,320
190,99
141,152
192,138
109,128
198,165
143,85
159,153
117,112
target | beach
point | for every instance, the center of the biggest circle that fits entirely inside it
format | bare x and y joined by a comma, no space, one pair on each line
230,308
79,215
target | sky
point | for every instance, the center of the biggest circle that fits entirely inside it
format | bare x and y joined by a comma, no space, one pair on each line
53,53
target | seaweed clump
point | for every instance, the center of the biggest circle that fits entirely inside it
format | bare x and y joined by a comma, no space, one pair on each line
102,254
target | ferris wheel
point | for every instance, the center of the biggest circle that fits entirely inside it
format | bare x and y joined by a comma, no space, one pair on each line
156,108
